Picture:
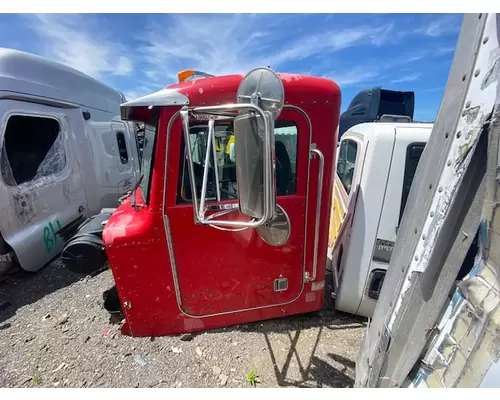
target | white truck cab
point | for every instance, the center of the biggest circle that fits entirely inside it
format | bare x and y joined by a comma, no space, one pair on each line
65,154
376,163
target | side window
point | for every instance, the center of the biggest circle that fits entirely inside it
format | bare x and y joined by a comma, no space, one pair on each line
413,153
224,167
285,146
347,162
148,155
32,149
122,147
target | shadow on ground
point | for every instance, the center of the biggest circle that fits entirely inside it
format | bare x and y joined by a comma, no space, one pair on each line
315,371
25,288
306,359
330,370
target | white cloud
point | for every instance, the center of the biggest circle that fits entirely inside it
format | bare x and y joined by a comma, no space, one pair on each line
407,78
410,58
440,26
139,91
385,34
445,50
78,41
375,70
223,44
354,76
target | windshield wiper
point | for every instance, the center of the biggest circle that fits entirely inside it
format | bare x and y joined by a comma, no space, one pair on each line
134,190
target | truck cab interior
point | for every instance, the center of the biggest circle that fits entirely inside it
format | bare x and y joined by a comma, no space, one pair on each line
226,166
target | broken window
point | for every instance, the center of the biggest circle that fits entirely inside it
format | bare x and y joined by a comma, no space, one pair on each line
32,149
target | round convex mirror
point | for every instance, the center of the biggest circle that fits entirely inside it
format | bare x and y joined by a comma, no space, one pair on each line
265,83
276,232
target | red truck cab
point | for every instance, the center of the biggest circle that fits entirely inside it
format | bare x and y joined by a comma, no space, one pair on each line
252,243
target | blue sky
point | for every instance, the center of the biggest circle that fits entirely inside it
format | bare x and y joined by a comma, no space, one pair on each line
141,53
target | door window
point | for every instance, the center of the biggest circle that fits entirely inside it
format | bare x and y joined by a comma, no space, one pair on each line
413,153
112,146
32,149
122,147
347,162
148,146
285,135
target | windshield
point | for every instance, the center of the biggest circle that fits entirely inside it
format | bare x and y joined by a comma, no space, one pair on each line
148,145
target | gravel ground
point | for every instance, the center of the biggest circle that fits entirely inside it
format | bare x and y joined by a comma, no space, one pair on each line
55,333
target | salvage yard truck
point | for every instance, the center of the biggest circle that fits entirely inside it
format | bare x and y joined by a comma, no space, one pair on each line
202,244
208,240
65,154
376,164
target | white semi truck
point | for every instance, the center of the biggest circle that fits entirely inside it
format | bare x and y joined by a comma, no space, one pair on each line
65,154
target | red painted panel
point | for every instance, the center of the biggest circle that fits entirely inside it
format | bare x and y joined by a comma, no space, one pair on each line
220,271
236,270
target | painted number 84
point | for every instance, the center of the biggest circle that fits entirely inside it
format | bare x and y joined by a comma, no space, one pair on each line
50,236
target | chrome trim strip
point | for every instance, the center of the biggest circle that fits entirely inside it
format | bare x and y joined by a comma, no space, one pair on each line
211,123
184,113
318,212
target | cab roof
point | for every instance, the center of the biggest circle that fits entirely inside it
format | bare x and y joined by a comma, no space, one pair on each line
300,90
386,130
39,77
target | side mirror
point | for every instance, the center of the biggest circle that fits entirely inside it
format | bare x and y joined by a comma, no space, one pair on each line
260,99
254,142
255,164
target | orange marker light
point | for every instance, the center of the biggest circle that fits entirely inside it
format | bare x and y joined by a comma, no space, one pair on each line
191,74
183,75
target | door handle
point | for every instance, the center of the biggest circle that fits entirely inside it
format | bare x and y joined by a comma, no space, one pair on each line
316,152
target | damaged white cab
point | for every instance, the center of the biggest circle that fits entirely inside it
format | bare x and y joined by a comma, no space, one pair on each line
64,155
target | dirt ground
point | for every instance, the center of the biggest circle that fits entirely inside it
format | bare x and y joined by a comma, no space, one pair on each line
55,333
